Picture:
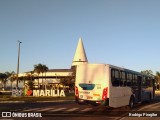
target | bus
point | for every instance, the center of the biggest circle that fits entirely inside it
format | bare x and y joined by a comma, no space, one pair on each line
112,86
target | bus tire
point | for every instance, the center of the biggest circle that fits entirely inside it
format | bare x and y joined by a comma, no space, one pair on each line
106,102
81,102
94,104
131,102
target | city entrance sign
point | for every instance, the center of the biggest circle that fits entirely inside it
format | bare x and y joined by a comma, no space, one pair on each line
54,93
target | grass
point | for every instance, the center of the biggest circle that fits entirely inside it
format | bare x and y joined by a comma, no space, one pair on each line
4,109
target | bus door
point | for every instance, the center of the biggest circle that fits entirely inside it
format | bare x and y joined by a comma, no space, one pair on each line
139,88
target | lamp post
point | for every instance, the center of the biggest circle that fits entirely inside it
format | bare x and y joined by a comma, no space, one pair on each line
19,42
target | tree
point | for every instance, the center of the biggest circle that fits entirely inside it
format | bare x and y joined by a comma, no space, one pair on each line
8,74
3,78
39,68
73,76
157,78
147,72
12,77
70,80
44,69
30,85
73,68
30,77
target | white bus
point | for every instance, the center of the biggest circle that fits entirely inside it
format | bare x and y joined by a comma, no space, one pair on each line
112,86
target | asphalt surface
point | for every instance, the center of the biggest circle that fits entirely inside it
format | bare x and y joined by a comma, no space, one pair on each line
63,110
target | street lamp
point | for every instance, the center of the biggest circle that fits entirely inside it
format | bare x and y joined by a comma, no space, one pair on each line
19,42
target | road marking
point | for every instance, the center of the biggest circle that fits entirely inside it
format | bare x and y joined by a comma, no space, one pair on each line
59,109
34,109
85,110
46,109
72,109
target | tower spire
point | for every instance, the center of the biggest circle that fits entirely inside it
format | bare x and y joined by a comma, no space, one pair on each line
80,54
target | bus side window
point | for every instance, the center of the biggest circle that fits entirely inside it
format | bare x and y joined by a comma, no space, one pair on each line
134,82
129,79
144,81
120,78
148,82
123,78
115,77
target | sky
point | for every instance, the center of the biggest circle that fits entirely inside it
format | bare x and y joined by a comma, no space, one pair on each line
124,33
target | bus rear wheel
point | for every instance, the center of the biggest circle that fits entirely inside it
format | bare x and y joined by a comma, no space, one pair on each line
131,102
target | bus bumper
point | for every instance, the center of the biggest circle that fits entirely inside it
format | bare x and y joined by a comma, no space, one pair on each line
95,103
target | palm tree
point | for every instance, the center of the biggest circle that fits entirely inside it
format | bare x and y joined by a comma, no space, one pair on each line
12,77
44,69
5,77
40,68
29,76
8,75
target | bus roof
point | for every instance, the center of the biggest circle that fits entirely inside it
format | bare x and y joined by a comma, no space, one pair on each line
128,70
122,68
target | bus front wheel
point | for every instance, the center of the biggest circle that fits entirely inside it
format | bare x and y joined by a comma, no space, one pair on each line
131,102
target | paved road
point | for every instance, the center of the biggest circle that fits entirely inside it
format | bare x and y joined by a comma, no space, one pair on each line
71,110
152,109
148,112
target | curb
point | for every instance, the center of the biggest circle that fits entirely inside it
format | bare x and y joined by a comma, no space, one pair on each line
36,101
56,101
148,106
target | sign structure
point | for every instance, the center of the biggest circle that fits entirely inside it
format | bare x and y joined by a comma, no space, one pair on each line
53,93
38,93
58,91
17,92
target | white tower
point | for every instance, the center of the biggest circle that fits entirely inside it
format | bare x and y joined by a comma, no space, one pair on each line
80,54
